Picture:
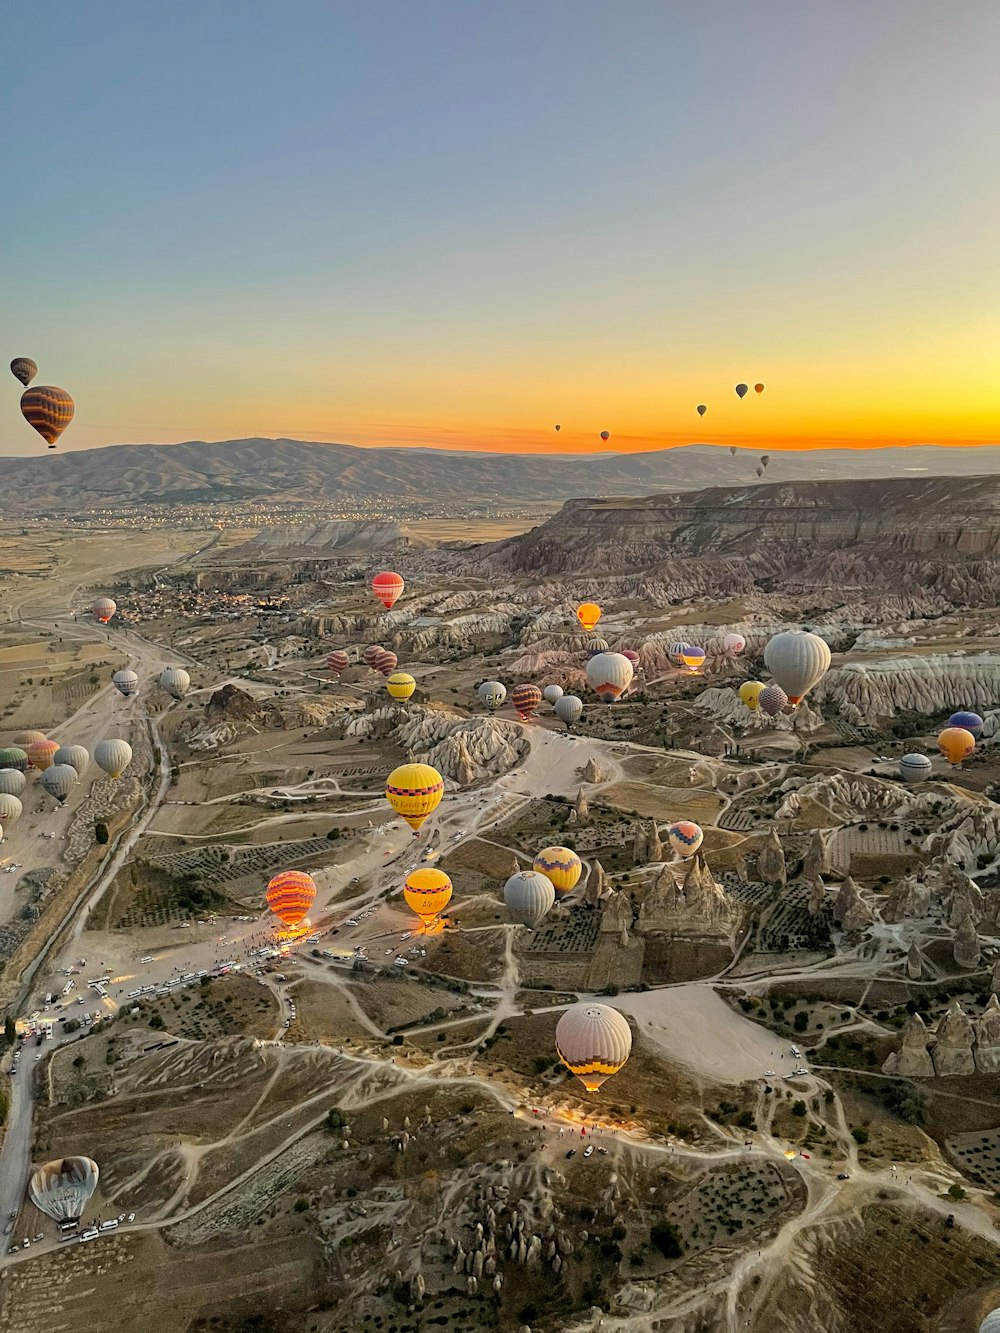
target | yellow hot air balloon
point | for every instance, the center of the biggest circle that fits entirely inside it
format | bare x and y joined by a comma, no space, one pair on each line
750,692
401,685
561,865
956,744
588,615
414,791
427,892
593,1041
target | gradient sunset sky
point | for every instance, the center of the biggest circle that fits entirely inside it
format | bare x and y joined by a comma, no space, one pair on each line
455,222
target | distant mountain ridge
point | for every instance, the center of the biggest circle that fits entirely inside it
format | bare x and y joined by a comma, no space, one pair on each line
197,472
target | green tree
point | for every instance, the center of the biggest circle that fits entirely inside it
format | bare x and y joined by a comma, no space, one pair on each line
9,1030
799,1108
666,1238
156,1021
335,1119
101,834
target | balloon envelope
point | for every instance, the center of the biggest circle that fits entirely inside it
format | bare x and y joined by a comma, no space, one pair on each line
290,895
74,755
126,683
12,780
741,390
749,693
113,757
11,808
552,693
62,1189
593,1041
610,675
15,759
702,409
386,662
605,435
176,681
104,608
526,699
693,657
493,693
338,661
59,780
42,753
387,587
685,837
915,768
734,643
758,388
23,369
956,744
797,660
772,700
970,721
569,709
528,895
561,865
414,791
427,892
48,410
588,614
400,685
371,652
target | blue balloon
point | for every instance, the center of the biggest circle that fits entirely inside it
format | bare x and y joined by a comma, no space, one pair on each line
970,721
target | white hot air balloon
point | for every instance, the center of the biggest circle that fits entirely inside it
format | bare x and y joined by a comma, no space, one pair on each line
11,808
915,768
59,780
991,1324
593,1041
75,755
797,660
553,693
529,895
610,675
126,682
176,681
12,781
734,643
113,757
492,693
569,709
62,1189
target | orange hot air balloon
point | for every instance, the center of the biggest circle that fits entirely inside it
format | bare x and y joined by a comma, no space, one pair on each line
427,893
48,410
955,743
758,388
40,754
387,587
588,615
290,895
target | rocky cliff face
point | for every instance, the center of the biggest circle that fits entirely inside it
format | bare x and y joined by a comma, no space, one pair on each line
462,749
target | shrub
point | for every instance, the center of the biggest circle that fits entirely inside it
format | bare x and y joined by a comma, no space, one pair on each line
665,1237
301,1205
101,834
799,1107
859,1135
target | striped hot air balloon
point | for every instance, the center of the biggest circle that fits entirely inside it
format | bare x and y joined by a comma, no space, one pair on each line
526,699
386,662
15,759
685,837
427,892
414,791
104,608
400,685
23,369
48,410
693,657
41,754
338,661
371,652
290,895
561,865
915,768
387,587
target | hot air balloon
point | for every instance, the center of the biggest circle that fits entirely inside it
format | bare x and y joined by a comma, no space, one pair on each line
387,587
970,721
41,754
126,683
74,755
693,657
386,662
750,692
597,645
492,693
176,681
772,700
991,1324
558,427
414,791
371,652
59,780
26,738
758,471
526,699
915,768
15,759
569,709
12,780
104,608
610,675
528,895
741,390
48,410
701,409
732,450
956,744
684,837
290,895
605,435
11,808
765,459
427,893
593,1041
797,660
113,757
338,661
588,614
62,1189
677,650
400,685
734,643
561,865
552,693
23,369
758,388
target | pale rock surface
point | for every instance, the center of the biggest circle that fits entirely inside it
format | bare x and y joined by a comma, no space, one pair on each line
771,860
913,1059
966,948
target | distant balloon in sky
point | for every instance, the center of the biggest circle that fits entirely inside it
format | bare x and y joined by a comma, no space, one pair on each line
732,450
702,409
558,427
48,410
23,369
759,471
605,435
765,459
742,390
758,388
387,588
